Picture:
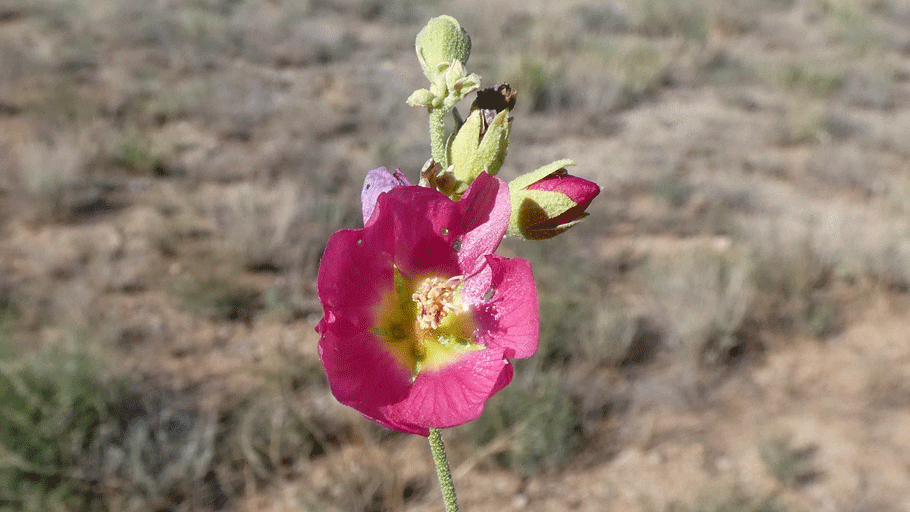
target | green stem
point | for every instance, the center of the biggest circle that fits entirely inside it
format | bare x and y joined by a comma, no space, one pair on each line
442,470
437,136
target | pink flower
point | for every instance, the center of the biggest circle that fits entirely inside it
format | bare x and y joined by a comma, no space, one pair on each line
421,318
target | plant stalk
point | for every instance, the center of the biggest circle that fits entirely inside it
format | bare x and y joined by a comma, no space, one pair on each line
442,470
437,136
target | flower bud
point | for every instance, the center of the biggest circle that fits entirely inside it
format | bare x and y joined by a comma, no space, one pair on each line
439,43
548,201
423,98
473,150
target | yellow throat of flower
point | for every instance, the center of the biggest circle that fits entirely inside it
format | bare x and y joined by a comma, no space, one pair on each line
422,322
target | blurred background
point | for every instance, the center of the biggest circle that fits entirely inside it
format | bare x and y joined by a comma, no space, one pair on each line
727,331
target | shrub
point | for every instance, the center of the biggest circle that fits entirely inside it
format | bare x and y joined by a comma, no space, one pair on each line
528,426
55,408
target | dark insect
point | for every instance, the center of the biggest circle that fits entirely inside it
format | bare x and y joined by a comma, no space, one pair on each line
493,100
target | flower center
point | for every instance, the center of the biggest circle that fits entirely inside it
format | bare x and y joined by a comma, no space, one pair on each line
435,299
422,323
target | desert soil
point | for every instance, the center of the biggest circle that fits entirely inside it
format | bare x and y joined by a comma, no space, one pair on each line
152,152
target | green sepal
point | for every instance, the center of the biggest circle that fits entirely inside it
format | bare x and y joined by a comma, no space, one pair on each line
422,98
543,234
547,203
532,209
463,147
471,155
491,153
534,176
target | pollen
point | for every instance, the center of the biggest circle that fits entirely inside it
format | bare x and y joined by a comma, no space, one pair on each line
435,300
422,322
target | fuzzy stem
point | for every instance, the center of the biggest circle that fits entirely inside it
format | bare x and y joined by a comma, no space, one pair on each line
437,136
442,470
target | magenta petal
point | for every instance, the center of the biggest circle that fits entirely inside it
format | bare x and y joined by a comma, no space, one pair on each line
434,233
485,208
422,224
504,300
577,189
352,276
361,373
456,393
378,180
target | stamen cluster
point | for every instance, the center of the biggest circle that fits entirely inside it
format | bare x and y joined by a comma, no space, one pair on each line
435,299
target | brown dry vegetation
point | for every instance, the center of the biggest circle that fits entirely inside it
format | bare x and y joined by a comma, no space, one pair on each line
728,331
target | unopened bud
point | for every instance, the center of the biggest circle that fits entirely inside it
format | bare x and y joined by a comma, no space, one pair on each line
439,43
548,201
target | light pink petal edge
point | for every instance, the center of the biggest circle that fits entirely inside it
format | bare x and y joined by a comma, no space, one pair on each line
485,211
378,180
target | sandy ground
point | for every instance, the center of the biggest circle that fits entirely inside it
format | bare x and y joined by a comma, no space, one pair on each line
772,135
